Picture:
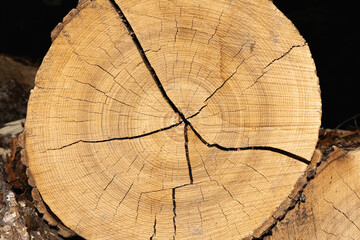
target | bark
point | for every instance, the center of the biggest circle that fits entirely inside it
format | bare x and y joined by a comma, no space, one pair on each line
19,217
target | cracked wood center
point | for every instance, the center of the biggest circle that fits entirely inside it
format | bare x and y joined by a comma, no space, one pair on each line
172,119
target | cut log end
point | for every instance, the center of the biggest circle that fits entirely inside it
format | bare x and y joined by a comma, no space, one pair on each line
329,211
155,119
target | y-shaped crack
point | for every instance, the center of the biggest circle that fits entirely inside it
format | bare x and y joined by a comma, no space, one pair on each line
186,120
176,109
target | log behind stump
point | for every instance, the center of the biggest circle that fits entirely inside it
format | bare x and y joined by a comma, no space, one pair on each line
331,202
172,119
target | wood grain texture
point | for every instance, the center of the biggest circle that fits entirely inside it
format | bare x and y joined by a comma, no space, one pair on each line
172,119
331,207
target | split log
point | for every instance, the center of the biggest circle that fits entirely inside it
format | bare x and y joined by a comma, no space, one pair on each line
331,202
172,119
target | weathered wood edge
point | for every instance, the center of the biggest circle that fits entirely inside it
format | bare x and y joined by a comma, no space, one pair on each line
318,163
73,12
41,206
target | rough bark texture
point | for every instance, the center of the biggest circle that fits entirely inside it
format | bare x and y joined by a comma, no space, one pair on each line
19,217
173,119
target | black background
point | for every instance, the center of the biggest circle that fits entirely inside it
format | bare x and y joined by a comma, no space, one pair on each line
329,27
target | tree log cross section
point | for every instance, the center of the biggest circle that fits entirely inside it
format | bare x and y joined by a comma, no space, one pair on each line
172,119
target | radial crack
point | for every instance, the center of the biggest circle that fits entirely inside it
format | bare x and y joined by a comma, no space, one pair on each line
217,89
104,93
132,137
103,191
122,199
257,172
177,31
154,234
222,211
256,81
264,148
344,214
146,60
187,154
176,109
230,194
216,28
174,211
286,53
119,138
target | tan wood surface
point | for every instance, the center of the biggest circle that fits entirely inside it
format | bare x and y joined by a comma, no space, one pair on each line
331,203
172,119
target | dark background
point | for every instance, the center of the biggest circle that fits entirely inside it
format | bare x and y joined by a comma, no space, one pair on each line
329,27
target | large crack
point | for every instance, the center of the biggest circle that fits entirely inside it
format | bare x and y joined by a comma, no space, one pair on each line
146,60
186,120
187,153
263,148
118,138
131,137
154,227
174,211
294,198
176,109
